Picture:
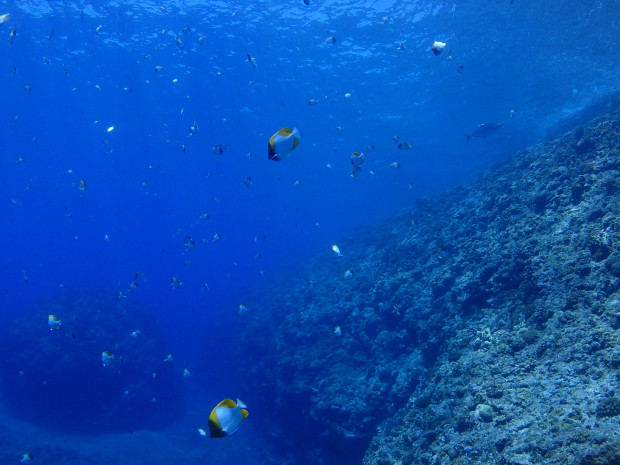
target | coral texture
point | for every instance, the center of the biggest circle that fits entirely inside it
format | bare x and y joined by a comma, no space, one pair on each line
480,326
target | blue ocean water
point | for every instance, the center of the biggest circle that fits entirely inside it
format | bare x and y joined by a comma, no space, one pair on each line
106,93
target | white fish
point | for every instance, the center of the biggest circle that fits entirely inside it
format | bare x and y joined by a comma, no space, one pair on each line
438,47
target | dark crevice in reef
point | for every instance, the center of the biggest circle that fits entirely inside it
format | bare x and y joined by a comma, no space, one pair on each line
479,326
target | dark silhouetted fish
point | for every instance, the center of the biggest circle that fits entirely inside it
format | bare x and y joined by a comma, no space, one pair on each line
484,130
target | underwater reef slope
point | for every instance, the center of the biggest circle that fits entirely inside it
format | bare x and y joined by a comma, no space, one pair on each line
480,326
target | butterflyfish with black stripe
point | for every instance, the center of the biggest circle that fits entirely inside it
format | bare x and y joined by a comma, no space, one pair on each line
282,143
226,417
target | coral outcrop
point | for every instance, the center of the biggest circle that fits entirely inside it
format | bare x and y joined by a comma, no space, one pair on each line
480,326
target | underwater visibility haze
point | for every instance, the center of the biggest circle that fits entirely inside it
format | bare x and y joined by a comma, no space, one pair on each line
208,211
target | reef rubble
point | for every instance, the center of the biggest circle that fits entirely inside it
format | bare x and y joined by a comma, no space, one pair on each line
480,326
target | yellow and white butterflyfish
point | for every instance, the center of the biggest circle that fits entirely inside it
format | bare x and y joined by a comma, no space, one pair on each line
53,322
107,358
282,143
226,417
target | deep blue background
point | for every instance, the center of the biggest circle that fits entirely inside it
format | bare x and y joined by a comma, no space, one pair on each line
548,60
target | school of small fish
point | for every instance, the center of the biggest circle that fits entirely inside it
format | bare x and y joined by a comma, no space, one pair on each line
227,415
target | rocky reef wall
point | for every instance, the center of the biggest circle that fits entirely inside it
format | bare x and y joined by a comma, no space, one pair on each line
480,326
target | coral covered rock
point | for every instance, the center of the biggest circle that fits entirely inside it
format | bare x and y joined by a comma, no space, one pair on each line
477,327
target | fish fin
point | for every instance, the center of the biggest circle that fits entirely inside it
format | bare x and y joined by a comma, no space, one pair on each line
215,431
241,404
227,403
468,137
285,131
244,413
